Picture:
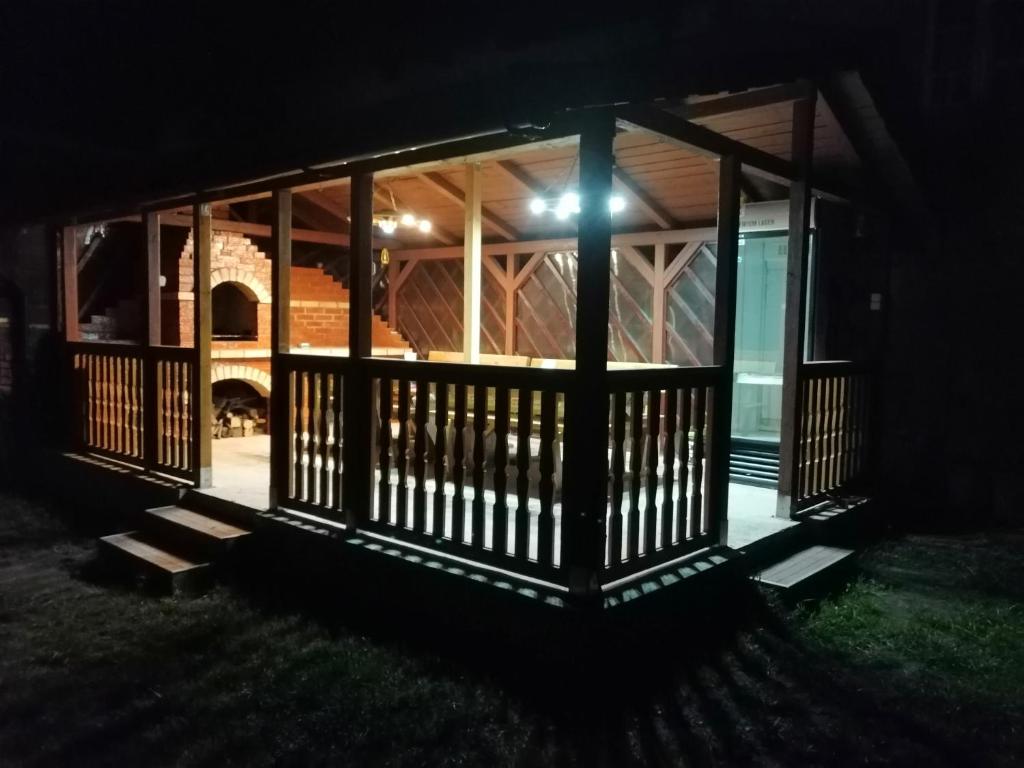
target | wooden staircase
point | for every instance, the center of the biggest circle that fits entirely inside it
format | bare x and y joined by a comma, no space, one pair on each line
175,550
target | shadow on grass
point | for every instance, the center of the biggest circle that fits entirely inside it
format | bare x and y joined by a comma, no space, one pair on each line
301,665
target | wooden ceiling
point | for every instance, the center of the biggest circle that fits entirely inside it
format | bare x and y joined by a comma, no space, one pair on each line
664,186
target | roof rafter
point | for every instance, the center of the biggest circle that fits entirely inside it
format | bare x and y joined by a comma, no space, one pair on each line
642,198
453,193
391,200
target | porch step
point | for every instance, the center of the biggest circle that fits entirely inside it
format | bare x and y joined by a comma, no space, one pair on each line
164,571
192,533
754,462
808,569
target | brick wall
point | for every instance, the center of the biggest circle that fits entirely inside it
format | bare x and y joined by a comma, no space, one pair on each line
319,304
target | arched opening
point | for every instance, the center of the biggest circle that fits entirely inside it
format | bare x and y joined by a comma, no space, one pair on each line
239,408
234,313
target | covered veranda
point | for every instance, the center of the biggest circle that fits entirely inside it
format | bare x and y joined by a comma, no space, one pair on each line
579,437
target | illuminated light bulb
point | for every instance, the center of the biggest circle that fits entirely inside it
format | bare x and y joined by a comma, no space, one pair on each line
562,212
616,203
387,225
424,225
408,220
570,201
538,206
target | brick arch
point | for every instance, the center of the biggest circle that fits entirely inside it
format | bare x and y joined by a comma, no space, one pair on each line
251,284
260,380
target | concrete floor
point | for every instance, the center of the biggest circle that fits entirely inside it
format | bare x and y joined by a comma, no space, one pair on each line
241,473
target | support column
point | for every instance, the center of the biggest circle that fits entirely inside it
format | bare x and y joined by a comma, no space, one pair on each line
658,308
280,343
511,294
796,298
69,253
151,338
724,351
472,266
151,229
358,416
202,406
585,490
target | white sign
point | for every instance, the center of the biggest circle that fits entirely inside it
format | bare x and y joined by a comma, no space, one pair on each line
771,216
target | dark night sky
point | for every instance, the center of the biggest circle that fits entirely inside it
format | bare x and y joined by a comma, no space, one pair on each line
106,101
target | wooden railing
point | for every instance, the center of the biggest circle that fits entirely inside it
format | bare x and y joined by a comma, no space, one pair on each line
660,443
833,429
134,404
311,440
469,462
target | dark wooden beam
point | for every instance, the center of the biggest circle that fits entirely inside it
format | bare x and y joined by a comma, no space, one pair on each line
800,194
357,423
724,346
643,199
739,102
260,230
586,454
440,184
516,172
69,258
704,141
202,252
151,233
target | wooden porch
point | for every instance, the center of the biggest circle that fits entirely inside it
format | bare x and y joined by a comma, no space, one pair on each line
610,456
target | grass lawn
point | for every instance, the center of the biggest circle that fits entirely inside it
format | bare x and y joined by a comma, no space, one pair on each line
919,662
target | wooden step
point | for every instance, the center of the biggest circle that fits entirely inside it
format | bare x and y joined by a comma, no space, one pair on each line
168,572
807,565
191,533
199,523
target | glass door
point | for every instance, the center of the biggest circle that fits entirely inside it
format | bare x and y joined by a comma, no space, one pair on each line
760,309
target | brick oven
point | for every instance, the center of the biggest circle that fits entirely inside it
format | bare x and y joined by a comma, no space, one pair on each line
242,312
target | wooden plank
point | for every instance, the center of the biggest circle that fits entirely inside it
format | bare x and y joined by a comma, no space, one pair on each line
194,521
479,437
69,257
543,246
642,199
757,98
803,565
201,406
705,141
795,312
658,288
280,339
499,541
472,266
151,233
261,230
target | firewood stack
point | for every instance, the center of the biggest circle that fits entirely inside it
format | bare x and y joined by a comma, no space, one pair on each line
237,420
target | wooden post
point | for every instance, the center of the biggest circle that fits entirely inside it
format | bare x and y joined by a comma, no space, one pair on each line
472,266
151,338
796,296
202,404
724,352
280,344
69,250
357,418
586,407
151,229
658,308
510,304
